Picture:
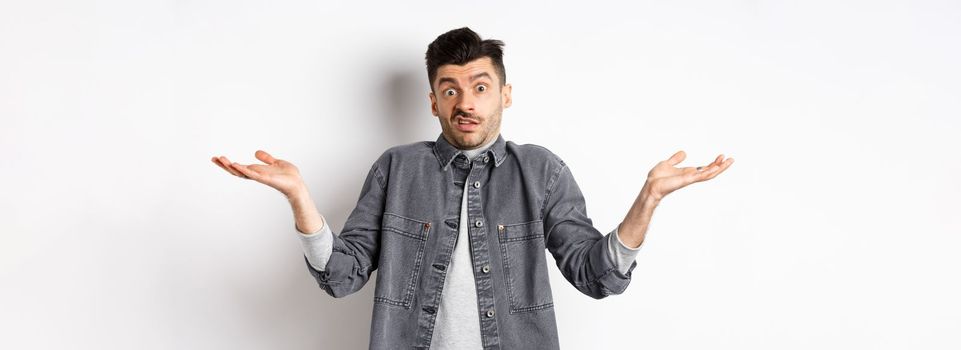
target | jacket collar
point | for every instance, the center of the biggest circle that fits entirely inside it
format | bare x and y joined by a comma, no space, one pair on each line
446,152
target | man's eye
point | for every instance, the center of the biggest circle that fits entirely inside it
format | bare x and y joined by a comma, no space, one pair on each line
481,88
450,92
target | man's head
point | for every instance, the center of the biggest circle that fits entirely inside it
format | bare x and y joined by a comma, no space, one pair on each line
468,85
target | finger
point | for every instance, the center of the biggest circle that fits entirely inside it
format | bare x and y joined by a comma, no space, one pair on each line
245,172
223,160
264,157
712,171
676,158
222,166
226,164
717,162
216,161
720,168
704,172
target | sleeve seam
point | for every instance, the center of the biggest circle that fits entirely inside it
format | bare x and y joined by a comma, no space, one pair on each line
550,187
378,176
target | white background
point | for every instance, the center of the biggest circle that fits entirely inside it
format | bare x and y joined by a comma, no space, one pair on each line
837,227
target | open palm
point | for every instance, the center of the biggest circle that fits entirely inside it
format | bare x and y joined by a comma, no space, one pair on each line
277,173
665,178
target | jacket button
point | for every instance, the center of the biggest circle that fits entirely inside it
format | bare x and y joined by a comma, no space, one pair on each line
486,268
486,158
478,223
490,313
476,184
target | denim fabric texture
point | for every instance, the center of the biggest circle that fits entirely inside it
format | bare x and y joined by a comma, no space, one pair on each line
522,202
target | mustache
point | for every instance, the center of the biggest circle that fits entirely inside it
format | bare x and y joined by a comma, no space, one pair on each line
465,114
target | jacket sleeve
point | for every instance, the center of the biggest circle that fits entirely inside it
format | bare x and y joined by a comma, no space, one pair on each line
356,249
580,250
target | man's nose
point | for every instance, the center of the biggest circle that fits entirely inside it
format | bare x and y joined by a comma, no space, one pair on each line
466,102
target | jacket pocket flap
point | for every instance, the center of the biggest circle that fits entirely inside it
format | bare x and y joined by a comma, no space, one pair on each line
521,231
412,228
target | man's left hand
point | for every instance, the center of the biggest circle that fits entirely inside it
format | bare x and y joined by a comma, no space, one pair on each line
665,178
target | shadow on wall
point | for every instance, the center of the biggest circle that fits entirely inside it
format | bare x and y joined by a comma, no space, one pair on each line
408,106
344,323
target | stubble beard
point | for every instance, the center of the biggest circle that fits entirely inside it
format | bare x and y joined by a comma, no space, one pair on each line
489,129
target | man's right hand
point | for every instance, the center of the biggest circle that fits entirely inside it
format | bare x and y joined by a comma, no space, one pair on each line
283,176
277,173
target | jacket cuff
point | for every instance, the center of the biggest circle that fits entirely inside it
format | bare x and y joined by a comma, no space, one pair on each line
612,281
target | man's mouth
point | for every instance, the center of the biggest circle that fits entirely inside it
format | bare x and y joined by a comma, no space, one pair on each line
463,120
466,124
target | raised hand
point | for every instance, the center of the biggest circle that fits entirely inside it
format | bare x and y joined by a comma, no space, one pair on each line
664,178
277,173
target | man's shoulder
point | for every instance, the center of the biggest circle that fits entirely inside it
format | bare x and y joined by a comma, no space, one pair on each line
404,151
531,153
411,148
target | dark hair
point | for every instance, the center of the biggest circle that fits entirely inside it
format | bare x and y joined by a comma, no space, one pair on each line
460,46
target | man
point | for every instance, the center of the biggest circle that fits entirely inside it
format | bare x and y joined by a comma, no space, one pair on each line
457,228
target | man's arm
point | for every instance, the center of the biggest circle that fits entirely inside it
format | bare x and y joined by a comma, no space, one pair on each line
582,253
306,217
316,242
633,229
353,253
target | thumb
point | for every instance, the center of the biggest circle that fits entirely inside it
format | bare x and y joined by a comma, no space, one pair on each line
264,157
676,158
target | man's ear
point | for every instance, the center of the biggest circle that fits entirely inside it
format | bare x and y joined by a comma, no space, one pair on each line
433,103
506,93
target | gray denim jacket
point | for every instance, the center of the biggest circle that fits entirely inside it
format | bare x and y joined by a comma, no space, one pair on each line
522,200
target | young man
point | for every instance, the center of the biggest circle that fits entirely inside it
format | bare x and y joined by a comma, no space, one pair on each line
458,227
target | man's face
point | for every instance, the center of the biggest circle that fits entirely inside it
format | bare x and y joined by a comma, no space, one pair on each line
468,100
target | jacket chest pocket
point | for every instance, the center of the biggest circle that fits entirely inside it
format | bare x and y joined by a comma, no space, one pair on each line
525,265
403,241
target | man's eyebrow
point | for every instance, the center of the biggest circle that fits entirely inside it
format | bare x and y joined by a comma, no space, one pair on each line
479,75
443,80
446,80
